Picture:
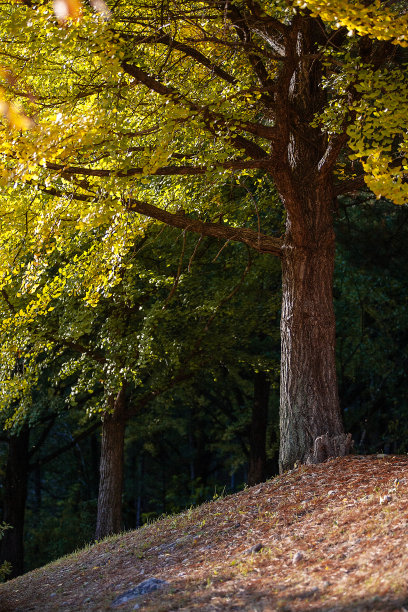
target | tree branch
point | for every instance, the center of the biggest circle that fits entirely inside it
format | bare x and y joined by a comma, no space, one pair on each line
332,152
354,184
77,347
210,117
7,300
244,34
260,242
254,164
66,447
271,24
80,348
166,39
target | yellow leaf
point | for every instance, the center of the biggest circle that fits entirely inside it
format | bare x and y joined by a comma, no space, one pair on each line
67,9
16,118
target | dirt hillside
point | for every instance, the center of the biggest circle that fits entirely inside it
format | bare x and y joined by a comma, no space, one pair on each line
331,537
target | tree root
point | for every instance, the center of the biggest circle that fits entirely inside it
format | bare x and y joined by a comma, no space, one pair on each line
325,447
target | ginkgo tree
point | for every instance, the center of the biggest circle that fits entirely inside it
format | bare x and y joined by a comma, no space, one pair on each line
143,114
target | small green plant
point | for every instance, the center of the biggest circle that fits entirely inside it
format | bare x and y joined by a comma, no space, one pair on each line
218,495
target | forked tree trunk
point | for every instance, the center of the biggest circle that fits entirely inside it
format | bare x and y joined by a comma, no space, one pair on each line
310,418
109,515
14,500
257,437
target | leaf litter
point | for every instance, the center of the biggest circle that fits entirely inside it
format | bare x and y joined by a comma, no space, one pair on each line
331,537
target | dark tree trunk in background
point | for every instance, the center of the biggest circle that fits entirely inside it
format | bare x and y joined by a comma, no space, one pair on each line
259,421
139,489
37,487
95,459
109,516
15,493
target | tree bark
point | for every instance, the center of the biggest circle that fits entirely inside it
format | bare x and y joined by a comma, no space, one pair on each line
259,421
310,417
109,514
15,493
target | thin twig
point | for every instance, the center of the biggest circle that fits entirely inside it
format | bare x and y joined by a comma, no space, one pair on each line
221,250
7,300
194,252
177,278
256,209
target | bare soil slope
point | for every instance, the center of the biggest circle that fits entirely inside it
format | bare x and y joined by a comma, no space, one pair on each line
334,537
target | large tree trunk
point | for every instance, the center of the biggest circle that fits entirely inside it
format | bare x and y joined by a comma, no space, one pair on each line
109,517
257,437
310,418
15,493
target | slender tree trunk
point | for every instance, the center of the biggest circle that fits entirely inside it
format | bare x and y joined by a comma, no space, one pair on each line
37,487
139,489
15,493
310,418
109,516
259,421
95,459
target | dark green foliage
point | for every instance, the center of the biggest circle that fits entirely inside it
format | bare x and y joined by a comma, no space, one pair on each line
194,445
372,323
62,492
63,524
5,567
189,323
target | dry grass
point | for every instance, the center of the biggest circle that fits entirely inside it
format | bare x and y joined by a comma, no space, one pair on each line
351,550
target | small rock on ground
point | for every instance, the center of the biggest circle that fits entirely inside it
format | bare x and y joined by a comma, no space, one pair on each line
254,549
143,588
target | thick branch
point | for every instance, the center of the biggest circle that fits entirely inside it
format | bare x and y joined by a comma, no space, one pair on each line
153,84
256,240
162,171
80,348
345,187
97,356
260,242
267,22
267,27
332,153
79,197
7,300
